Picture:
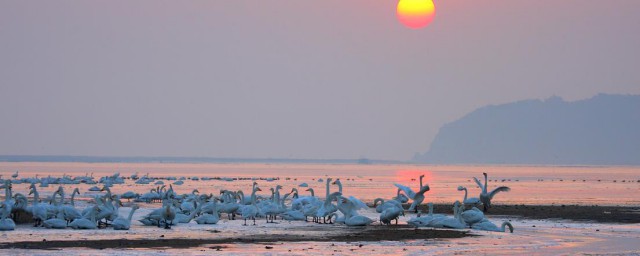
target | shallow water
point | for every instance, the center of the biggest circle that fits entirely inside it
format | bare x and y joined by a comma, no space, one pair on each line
583,185
530,185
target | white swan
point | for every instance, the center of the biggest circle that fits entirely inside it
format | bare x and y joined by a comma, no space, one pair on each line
485,197
300,202
456,222
69,211
209,218
251,211
417,197
121,223
57,223
37,209
168,215
472,216
82,223
339,183
327,207
401,197
6,224
349,208
385,204
473,201
424,221
389,214
129,195
489,226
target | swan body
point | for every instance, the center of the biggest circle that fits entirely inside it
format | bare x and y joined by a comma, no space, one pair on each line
121,223
6,224
251,211
358,220
401,197
208,218
349,207
293,215
82,223
472,216
56,223
489,226
385,204
425,221
390,214
168,215
446,222
327,207
469,201
129,195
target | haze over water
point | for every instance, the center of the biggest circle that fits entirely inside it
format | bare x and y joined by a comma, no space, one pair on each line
529,184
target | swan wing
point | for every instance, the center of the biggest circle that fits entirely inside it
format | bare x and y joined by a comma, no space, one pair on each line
406,190
479,183
499,189
357,203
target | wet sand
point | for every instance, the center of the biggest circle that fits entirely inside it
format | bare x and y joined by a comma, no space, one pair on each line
316,234
604,214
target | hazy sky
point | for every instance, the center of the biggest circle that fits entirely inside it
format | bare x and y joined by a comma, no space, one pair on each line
293,79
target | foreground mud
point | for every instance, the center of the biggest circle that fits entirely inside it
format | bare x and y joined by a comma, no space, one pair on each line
315,234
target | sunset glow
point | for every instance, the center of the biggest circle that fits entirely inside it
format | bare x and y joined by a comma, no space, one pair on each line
416,14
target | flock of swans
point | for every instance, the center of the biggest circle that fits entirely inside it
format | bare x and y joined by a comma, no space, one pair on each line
56,212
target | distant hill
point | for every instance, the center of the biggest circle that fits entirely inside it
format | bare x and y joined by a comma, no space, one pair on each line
603,130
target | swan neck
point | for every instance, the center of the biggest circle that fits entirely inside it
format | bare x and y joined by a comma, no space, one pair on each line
375,202
328,189
485,184
465,194
131,213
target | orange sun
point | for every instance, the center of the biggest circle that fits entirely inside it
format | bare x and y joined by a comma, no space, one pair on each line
416,14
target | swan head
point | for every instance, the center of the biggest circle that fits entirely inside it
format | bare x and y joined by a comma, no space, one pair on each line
337,182
460,188
278,187
76,191
485,174
329,180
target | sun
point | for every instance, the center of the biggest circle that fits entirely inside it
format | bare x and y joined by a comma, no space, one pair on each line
416,14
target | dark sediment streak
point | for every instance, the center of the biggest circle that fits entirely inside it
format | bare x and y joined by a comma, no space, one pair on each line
351,234
604,214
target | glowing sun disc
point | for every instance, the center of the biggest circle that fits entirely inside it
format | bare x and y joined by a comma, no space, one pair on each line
416,14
